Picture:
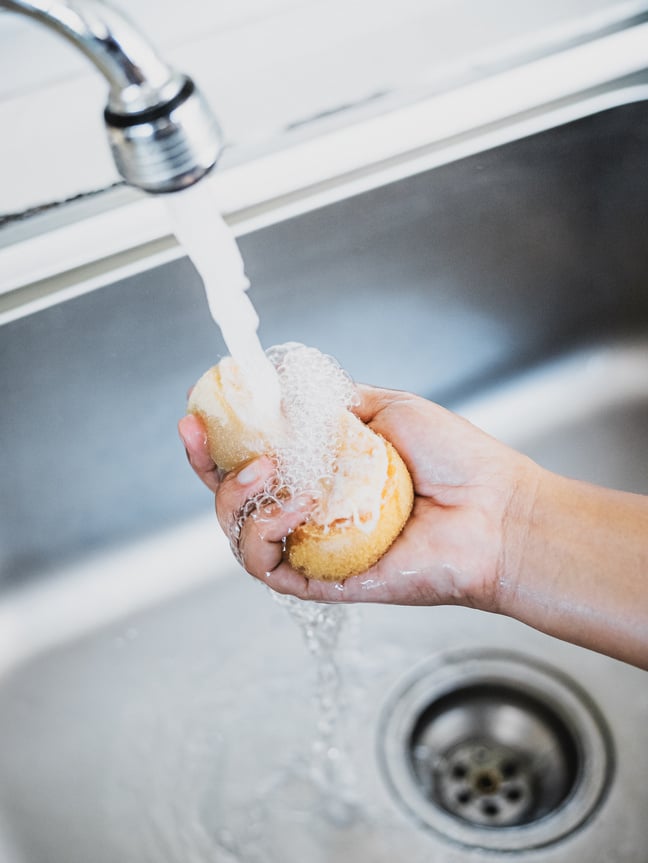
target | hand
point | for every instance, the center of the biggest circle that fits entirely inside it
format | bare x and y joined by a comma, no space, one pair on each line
458,540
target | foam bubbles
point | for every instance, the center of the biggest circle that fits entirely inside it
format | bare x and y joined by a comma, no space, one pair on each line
315,393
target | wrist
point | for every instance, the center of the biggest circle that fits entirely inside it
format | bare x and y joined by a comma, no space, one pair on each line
529,483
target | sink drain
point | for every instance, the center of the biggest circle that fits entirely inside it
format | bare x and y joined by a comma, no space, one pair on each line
492,755
495,751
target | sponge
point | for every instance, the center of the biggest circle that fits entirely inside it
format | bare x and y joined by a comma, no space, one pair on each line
360,488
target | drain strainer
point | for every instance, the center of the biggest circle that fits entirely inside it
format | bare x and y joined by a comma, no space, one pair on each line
495,751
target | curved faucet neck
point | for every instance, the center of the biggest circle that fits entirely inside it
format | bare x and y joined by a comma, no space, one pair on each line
138,78
162,134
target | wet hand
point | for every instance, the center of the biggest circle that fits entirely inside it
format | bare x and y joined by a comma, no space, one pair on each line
457,540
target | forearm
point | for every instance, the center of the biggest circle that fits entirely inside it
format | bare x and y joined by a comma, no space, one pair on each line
580,572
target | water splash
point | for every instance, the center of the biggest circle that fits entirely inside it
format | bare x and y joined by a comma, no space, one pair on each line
311,807
329,769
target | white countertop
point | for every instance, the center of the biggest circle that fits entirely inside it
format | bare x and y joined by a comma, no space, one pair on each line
266,66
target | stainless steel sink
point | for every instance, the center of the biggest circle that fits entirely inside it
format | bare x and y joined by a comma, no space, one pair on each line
155,703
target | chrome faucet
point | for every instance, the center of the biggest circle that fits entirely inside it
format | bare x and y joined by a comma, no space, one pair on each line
162,134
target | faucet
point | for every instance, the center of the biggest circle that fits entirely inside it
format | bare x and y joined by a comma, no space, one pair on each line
162,134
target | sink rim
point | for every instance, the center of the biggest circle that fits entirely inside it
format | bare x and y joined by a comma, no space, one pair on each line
44,269
542,398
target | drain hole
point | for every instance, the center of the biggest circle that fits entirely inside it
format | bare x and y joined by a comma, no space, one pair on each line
495,751
486,782
479,740
509,769
459,771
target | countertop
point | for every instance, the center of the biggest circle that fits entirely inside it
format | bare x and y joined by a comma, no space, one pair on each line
268,67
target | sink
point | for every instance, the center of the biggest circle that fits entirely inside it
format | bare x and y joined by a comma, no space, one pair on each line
584,415
167,733
156,703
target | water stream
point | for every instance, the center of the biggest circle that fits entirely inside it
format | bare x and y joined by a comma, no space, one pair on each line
312,806
308,808
200,228
321,626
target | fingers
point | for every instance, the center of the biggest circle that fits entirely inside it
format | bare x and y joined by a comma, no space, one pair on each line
236,489
359,588
262,537
284,579
194,437
257,537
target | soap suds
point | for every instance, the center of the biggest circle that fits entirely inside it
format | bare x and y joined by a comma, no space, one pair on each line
316,394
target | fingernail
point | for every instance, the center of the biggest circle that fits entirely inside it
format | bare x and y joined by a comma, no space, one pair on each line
249,474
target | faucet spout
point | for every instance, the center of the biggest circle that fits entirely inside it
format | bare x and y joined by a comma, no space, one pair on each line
162,134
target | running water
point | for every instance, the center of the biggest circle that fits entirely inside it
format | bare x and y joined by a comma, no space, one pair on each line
314,803
321,626
319,788
200,228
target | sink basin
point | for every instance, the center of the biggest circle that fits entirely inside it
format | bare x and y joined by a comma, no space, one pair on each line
167,733
155,703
